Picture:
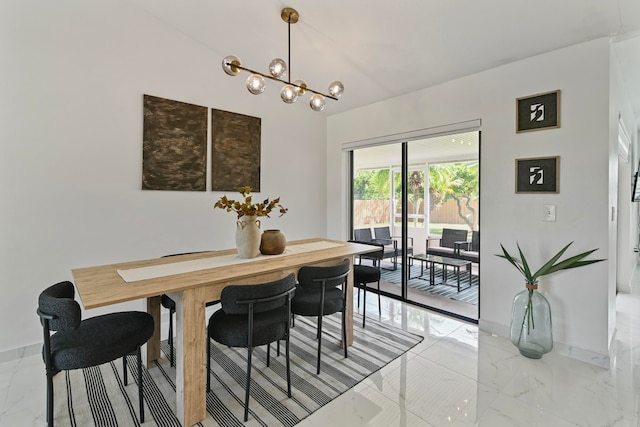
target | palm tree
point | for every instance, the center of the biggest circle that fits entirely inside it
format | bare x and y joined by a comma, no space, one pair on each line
457,181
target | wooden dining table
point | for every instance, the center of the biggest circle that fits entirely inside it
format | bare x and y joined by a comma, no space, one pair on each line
193,280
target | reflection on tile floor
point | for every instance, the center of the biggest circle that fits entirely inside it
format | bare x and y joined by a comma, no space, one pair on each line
458,376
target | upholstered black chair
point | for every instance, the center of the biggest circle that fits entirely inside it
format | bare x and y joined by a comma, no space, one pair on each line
78,344
364,274
318,294
168,303
251,316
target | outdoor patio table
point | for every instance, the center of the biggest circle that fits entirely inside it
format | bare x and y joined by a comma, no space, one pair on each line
456,263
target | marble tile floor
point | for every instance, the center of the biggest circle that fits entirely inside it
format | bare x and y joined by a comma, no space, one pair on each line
458,376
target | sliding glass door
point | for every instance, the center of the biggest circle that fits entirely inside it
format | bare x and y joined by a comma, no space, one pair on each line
417,190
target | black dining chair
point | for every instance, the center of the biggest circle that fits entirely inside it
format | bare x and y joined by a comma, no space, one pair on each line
167,302
364,274
322,291
79,344
251,316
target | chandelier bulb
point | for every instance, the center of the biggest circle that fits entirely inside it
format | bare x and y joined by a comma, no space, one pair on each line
255,84
336,88
229,65
317,102
300,86
288,94
278,68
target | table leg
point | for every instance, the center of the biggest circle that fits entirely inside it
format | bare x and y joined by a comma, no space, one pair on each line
432,273
349,302
153,345
458,276
191,399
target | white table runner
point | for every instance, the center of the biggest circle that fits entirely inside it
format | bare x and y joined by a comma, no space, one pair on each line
153,272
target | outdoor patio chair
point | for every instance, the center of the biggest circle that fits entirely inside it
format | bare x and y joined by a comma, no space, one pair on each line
364,235
383,236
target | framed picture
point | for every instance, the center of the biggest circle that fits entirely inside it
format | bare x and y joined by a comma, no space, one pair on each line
174,146
538,175
235,151
537,112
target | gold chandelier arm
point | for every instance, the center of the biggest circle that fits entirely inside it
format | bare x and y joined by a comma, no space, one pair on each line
267,76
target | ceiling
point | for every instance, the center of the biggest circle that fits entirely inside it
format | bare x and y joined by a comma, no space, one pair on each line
461,147
380,48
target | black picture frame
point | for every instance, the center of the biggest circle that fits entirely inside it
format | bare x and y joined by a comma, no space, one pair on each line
538,112
538,175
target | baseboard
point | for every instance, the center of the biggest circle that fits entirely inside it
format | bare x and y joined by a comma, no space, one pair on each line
20,352
588,356
493,328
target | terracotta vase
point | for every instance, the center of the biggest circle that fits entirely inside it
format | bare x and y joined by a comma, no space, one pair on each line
248,236
273,242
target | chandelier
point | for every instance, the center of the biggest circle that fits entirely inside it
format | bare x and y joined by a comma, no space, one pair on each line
278,71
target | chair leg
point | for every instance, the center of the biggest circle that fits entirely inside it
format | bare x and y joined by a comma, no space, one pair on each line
288,367
140,385
170,339
344,331
124,370
246,392
208,365
268,354
364,304
379,304
49,399
358,297
319,343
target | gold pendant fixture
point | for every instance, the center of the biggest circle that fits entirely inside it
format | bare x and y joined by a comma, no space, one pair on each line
279,71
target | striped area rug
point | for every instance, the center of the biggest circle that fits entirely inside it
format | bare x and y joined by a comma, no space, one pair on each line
97,396
449,289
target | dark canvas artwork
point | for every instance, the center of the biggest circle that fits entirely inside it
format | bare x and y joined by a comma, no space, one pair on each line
174,149
235,151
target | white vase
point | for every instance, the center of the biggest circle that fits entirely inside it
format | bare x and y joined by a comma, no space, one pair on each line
248,236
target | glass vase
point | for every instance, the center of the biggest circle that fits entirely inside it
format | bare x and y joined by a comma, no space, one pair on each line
531,329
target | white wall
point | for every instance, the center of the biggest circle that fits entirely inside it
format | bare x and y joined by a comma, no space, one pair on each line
579,298
72,80
627,211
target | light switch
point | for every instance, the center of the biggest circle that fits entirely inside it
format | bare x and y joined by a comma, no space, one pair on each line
549,212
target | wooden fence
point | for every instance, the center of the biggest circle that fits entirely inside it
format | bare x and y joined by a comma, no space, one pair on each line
377,212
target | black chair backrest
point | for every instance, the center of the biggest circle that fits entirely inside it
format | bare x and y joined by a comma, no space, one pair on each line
236,299
362,234
382,233
311,277
63,311
450,236
475,241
